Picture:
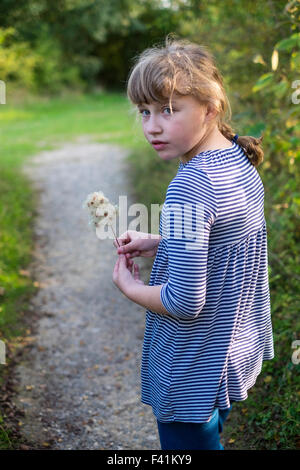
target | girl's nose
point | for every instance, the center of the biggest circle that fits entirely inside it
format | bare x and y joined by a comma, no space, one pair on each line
153,126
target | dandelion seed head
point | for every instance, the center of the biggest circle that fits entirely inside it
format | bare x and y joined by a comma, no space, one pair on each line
101,211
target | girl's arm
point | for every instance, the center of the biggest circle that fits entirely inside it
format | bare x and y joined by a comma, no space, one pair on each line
147,296
134,288
192,200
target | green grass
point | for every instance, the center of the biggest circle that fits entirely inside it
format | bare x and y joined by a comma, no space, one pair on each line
5,441
28,126
42,124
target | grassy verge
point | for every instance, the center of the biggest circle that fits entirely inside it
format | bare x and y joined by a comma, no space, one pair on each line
28,126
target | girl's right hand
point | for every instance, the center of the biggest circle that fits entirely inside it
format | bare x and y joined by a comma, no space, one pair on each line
133,243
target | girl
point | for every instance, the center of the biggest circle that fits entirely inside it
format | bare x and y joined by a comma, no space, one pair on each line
208,323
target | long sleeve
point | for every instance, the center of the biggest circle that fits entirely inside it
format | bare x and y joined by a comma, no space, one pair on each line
188,214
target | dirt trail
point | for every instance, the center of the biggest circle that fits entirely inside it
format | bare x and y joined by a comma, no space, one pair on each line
79,385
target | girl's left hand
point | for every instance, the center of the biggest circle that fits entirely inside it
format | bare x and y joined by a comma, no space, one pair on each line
126,274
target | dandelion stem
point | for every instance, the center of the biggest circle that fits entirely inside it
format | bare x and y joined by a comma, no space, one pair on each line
114,234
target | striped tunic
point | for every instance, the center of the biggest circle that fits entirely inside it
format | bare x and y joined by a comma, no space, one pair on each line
213,264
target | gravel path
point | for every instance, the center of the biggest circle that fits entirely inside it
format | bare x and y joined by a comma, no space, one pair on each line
79,385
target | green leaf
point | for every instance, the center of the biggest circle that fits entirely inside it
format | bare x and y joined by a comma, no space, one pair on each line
289,43
263,81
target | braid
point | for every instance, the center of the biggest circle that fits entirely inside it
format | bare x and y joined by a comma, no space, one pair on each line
251,145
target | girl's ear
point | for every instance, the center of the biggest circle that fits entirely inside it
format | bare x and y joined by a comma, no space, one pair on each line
211,112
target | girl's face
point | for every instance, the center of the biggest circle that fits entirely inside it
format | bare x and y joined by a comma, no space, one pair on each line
177,134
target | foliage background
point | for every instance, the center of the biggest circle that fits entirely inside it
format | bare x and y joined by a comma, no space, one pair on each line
48,49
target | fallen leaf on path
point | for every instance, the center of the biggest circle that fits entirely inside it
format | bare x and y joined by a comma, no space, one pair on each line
127,356
41,285
24,272
24,447
29,339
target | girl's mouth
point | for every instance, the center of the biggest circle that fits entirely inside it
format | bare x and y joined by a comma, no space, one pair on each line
158,145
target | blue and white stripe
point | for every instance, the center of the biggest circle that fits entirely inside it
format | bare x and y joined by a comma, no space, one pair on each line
209,350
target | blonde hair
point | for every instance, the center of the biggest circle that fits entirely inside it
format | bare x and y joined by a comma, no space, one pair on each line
182,67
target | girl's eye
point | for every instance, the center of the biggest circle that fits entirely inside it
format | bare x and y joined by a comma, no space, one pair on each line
167,110
144,112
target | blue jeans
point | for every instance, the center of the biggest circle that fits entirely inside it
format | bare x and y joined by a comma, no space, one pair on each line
178,435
